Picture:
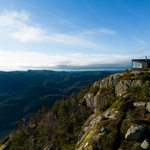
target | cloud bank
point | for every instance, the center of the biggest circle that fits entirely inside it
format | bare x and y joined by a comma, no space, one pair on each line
18,60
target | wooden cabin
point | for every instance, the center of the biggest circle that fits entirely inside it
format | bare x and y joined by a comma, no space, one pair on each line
140,64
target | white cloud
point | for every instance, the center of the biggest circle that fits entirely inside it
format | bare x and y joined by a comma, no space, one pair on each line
18,60
28,34
106,31
19,25
98,31
23,29
13,19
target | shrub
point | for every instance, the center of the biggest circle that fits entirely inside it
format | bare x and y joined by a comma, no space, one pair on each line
128,145
127,76
94,90
106,97
107,142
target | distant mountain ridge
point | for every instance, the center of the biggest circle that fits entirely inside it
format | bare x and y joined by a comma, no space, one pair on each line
23,93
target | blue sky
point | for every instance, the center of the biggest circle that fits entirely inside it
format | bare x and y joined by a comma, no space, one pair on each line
73,34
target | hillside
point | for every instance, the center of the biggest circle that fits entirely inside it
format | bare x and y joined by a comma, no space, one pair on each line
23,93
121,118
113,114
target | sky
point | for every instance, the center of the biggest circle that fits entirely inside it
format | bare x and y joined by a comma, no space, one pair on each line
73,34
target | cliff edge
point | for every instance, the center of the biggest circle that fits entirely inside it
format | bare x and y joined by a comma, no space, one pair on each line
121,118
113,114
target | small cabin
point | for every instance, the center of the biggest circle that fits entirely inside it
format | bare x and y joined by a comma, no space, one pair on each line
139,64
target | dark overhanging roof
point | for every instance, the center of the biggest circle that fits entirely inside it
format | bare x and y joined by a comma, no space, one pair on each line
141,60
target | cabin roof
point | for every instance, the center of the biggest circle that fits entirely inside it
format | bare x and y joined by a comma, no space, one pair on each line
141,60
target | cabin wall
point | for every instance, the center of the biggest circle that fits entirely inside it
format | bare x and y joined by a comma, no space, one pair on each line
139,65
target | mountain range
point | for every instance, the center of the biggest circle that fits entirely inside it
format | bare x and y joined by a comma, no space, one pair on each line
23,93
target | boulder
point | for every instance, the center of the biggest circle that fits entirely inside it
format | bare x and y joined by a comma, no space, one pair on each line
46,148
95,120
136,83
111,80
135,132
90,101
139,104
122,86
110,115
148,107
104,131
106,114
146,144
129,104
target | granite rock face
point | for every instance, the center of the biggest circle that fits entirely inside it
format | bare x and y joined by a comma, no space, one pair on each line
123,85
111,80
120,86
90,101
95,126
103,122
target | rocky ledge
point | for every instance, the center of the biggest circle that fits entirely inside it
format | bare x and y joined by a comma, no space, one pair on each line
121,118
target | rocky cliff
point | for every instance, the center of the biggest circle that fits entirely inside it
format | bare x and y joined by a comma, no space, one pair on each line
114,114
121,118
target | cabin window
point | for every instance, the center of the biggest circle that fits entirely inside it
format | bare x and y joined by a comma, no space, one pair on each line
137,65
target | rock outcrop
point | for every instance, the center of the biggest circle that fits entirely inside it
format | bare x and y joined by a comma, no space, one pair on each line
145,144
94,128
124,85
120,85
90,101
139,104
148,107
121,117
111,80
135,132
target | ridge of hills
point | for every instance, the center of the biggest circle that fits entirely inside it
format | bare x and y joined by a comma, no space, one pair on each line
23,93
113,114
